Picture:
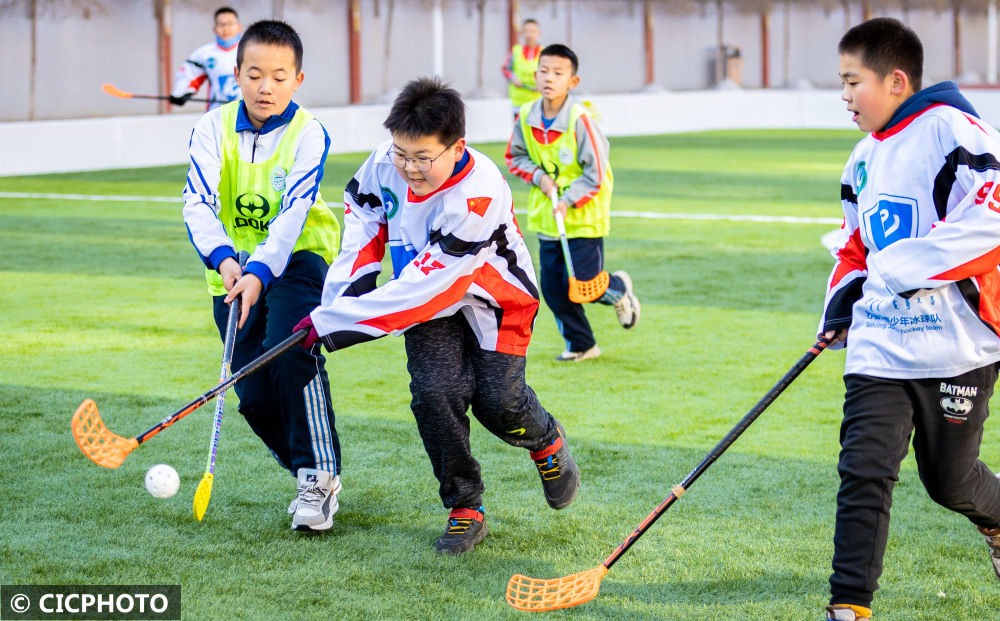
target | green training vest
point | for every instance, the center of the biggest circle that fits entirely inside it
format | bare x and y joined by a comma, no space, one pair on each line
524,69
250,196
593,219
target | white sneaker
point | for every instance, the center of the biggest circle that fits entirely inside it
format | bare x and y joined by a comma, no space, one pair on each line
316,502
838,613
577,356
337,487
627,307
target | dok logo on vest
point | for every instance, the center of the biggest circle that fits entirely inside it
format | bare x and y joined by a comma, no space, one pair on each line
891,219
253,209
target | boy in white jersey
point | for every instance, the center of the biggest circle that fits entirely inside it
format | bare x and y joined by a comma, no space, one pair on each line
463,296
212,63
253,186
915,298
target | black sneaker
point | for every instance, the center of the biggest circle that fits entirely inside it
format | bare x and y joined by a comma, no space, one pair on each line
466,528
560,476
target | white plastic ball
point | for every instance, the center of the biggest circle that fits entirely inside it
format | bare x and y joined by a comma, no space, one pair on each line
162,481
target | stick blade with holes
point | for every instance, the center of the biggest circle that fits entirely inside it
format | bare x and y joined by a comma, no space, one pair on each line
526,593
96,440
110,450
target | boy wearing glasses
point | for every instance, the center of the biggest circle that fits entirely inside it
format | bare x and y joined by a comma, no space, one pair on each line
463,294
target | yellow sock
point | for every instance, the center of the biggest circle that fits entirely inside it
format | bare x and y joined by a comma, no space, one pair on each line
861,611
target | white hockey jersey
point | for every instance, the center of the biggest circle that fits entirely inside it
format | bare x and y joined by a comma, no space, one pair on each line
211,63
917,279
458,249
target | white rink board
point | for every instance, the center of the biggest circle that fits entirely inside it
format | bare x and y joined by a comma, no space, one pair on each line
156,140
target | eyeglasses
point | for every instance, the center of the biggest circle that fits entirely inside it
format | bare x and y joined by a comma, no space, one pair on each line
421,163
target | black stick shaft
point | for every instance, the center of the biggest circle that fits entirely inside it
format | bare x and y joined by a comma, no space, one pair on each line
254,365
166,97
719,449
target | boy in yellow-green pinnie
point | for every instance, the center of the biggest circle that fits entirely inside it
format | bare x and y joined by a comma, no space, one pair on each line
253,185
557,147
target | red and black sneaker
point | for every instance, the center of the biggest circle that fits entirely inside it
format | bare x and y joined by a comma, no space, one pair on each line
466,528
560,476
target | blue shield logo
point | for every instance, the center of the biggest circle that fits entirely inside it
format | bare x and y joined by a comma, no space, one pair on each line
893,218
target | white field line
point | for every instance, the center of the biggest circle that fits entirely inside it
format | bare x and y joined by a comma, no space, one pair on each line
644,215
92,197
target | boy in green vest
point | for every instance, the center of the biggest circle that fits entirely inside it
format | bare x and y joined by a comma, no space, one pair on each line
253,185
520,65
557,147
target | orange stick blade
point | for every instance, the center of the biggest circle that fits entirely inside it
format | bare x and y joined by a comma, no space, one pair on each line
96,441
583,291
114,91
526,593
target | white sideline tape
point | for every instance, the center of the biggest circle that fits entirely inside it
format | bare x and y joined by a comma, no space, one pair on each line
92,197
646,215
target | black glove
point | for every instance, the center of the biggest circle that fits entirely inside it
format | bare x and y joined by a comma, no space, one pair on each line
180,101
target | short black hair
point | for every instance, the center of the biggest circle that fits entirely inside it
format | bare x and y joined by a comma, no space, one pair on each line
271,32
530,20
226,9
428,107
885,44
558,49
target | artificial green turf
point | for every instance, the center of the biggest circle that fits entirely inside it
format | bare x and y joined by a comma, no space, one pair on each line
106,300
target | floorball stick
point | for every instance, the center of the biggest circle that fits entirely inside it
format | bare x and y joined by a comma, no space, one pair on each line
107,449
114,91
580,292
203,494
526,593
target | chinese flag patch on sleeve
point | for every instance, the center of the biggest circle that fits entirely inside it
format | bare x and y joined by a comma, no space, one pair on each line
478,205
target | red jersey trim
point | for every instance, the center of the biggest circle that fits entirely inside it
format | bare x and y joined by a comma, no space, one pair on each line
989,299
519,310
530,52
545,136
425,312
452,181
980,266
526,176
374,250
898,127
850,258
197,82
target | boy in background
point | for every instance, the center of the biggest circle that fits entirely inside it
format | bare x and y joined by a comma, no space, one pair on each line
213,63
520,65
463,296
914,297
253,185
557,147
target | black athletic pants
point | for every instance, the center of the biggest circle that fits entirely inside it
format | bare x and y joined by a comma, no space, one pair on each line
287,403
587,254
448,373
945,418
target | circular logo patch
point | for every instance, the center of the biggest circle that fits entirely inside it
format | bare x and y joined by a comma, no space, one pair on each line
565,156
278,175
390,202
860,177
